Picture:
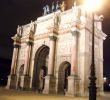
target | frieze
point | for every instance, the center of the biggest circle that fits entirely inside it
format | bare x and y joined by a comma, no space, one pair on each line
65,37
43,36
43,41
65,26
64,31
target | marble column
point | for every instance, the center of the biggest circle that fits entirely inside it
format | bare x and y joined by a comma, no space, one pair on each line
50,79
25,79
51,55
74,54
12,77
27,59
101,81
73,78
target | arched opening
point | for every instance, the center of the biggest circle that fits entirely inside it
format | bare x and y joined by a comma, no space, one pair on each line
21,70
63,73
40,68
42,74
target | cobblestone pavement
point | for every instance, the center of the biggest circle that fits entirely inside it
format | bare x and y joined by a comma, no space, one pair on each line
30,95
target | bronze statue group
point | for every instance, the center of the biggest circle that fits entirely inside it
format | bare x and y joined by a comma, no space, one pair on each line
54,7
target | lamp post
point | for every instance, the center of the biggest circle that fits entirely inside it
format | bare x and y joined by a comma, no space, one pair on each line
92,85
91,5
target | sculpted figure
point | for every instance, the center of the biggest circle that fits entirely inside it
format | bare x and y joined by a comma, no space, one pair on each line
19,31
57,6
75,3
62,6
76,12
57,20
53,7
45,10
32,26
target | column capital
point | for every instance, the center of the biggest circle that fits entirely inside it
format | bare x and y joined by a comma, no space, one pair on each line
30,43
75,31
16,46
54,38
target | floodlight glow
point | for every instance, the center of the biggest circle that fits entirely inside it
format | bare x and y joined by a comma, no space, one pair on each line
92,5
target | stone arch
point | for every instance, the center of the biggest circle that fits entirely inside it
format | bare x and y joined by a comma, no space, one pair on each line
63,73
21,70
20,73
40,67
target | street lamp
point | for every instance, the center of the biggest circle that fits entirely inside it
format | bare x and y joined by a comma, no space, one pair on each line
92,5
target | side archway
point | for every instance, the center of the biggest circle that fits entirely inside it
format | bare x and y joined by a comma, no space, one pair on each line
20,73
21,70
63,73
40,68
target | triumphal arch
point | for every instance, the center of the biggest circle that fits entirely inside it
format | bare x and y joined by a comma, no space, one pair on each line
53,53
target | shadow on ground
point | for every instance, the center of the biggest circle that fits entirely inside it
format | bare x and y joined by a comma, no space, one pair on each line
30,95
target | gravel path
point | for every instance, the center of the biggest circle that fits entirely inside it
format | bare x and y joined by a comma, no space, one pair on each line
30,95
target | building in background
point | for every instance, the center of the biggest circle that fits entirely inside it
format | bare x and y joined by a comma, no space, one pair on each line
53,53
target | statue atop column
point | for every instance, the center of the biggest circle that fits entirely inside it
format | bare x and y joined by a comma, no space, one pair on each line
19,31
57,6
75,3
46,10
53,7
63,6
57,20
32,27
76,12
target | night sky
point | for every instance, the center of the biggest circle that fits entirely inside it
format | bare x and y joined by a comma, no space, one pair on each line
20,12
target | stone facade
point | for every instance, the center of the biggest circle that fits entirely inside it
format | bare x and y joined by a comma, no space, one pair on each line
53,54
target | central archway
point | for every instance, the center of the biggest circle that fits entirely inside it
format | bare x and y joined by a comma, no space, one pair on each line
63,73
40,67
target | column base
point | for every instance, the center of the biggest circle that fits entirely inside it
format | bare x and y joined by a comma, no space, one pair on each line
25,82
49,87
73,86
100,91
11,84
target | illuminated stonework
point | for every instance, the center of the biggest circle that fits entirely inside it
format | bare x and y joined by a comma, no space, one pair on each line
53,54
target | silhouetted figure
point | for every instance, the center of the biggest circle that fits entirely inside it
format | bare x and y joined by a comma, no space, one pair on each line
47,9
53,7
57,6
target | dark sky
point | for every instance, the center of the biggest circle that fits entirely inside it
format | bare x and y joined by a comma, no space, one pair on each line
20,12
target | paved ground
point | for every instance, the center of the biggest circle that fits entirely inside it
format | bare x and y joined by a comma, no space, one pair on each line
29,95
